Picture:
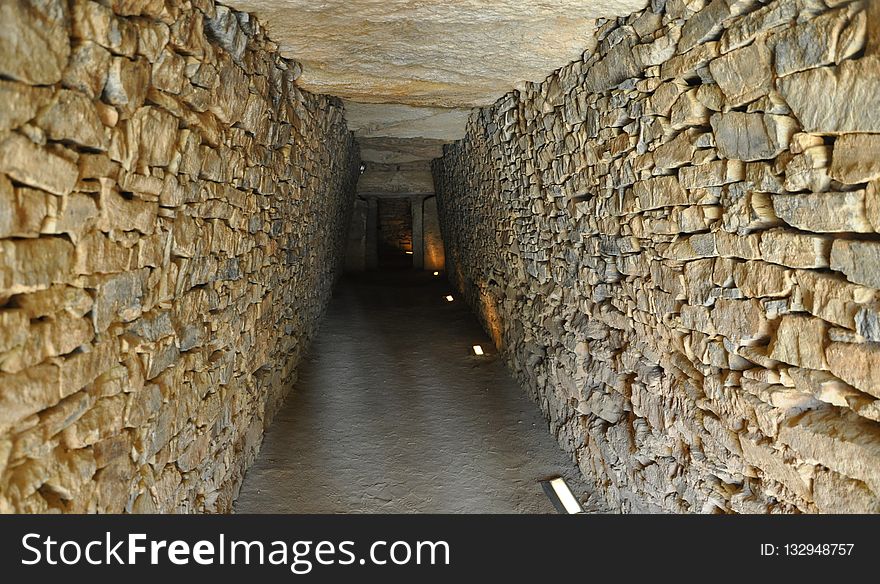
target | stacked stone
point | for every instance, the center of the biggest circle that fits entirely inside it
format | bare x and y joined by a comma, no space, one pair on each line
172,216
676,242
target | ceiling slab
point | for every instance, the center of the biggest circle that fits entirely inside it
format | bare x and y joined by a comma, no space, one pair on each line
452,54
400,150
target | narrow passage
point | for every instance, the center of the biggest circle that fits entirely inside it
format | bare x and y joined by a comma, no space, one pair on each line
393,413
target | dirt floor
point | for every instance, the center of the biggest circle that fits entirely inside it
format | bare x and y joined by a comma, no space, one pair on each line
393,413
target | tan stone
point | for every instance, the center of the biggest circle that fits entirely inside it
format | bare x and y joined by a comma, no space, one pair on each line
28,163
745,74
70,116
14,328
617,65
127,82
23,210
800,341
824,212
836,100
87,68
872,204
759,279
118,212
835,493
137,7
830,297
157,135
50,337
795,249
169,72
57,298
97,254
33,264
101,421
751,137
839,440
858,260
688,111
152,38
79,214
808,171
856,363
119,297
28,392
856,158
35,45
659,192
93,21
741,321
828,38
772,465
20,103
711,174
709,21
743,30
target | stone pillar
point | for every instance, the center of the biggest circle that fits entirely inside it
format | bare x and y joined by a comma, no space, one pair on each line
433,242
356,251
372,250
418,234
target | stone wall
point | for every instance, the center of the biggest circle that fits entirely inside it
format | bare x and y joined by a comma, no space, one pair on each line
676,244
395,226
172,217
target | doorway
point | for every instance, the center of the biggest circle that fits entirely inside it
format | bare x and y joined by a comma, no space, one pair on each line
395,237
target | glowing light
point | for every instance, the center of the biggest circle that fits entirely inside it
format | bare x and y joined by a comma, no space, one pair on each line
448,298
478,350
561,496
409,253
436,273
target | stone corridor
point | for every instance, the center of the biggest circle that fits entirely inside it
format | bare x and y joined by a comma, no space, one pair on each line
660,218
425,427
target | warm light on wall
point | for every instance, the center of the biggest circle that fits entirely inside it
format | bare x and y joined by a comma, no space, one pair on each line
478,350
561,496
448,298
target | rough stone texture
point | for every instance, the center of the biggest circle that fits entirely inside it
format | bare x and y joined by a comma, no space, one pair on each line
459,54
680,260
166,249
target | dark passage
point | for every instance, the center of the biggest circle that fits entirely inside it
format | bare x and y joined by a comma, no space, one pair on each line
393,413
395,241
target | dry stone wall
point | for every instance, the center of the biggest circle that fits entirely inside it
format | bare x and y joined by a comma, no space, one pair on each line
676,243
172,217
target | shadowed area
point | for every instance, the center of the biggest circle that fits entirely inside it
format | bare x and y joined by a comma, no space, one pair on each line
425,427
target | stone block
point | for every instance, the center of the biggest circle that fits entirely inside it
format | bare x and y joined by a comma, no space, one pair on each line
836,100
35,45
752,137
34,165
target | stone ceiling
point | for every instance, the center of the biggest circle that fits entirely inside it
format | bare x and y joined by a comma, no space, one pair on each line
412,54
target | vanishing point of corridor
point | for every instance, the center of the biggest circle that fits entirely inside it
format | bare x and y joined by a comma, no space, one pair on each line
394,413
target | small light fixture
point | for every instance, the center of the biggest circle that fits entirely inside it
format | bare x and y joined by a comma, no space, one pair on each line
478,350
448,298
409,253
561,496
436,273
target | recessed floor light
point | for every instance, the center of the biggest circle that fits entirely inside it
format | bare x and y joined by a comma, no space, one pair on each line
478,350
448,298
561,496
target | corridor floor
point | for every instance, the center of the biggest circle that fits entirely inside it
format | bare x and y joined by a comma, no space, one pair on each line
392,413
